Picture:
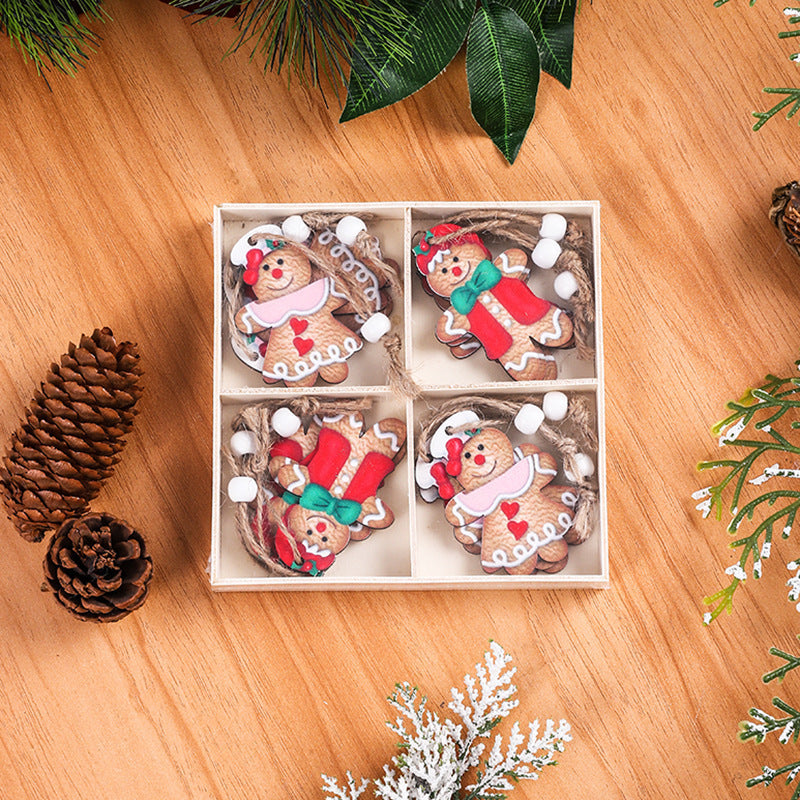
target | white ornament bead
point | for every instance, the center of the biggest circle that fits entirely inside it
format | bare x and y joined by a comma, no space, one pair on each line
295,229
285,422
430,495
244,443
348,228
585,467
554,226
554,405
565,285
546,253
242,489
375,327
422,473
243,246
528,419
438,445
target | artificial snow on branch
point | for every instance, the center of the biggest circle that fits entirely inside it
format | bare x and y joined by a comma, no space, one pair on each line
444,759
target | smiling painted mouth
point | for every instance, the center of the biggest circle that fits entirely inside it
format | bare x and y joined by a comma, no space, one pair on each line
486,474
285,285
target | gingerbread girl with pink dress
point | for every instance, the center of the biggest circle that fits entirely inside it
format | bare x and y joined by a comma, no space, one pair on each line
490,302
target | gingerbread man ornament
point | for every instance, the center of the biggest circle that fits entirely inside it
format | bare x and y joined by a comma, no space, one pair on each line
293,314
507,510
491,305
330,495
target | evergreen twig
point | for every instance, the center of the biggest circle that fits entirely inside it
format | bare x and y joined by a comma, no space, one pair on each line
760,410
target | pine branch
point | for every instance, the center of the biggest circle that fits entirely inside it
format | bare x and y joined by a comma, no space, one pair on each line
760,409
781,672
50,32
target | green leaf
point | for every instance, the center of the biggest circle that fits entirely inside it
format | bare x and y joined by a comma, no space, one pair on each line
553,25
503,75
381,74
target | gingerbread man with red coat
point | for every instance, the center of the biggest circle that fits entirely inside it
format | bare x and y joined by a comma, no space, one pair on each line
490,302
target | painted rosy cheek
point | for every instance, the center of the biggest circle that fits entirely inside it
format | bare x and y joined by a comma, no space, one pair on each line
480,460
321,526
277,272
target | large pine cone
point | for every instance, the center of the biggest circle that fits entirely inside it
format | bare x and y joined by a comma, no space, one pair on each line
98,568
785,214
73,432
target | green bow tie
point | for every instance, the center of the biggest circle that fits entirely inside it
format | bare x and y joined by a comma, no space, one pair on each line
318,498
486,277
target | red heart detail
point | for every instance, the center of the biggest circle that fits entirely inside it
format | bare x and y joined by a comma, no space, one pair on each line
509,509
302,345
518,528
298,325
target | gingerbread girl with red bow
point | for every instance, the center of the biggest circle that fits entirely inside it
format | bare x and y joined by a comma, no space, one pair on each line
491,302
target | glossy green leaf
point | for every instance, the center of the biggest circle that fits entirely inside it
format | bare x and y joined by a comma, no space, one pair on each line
553,26
381,74
503,75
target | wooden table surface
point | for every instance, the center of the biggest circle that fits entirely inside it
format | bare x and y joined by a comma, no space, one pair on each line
107,185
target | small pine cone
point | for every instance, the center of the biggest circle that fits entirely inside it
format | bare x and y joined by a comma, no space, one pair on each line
98,568
785,214
72,434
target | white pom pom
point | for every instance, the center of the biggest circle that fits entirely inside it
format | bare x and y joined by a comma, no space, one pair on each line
438,444
295,229
554,226
430,495
348,228
585,467
244,443
554,405
241,248
242,489
375,327
546,253
285,422
528,419
565,285
422,473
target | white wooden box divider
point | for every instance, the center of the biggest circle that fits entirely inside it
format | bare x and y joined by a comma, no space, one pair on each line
418,551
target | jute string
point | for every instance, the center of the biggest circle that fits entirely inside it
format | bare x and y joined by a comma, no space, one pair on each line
523,229
574,434
256,418
366,248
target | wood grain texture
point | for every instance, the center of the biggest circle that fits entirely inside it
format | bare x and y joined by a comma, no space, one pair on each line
106,188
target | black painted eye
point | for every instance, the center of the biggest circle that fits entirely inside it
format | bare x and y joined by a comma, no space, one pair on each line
455,258
324,538
280,261
467,455
265,267
480,447
309,532
444,270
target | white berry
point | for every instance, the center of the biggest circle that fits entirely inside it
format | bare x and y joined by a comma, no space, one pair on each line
528,419
375,327
348,228
554,405
554,226
285,422
242,489
546,253
565,285
244,443
295,229
585,467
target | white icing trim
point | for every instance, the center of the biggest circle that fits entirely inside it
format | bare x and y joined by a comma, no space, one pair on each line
301,369
538,467
520,553
526,358
376,517
505,266
315,550
291,312
557,330
569,499
301,479
450,322
381,434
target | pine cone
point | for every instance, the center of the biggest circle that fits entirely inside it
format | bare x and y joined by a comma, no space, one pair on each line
98,568
73,432
785,214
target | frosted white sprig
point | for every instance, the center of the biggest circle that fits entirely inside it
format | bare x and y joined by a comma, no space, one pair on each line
438,755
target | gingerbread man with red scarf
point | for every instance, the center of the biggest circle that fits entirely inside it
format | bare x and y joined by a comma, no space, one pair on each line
490,301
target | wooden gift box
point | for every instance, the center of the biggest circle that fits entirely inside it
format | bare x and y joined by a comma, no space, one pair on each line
418,551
